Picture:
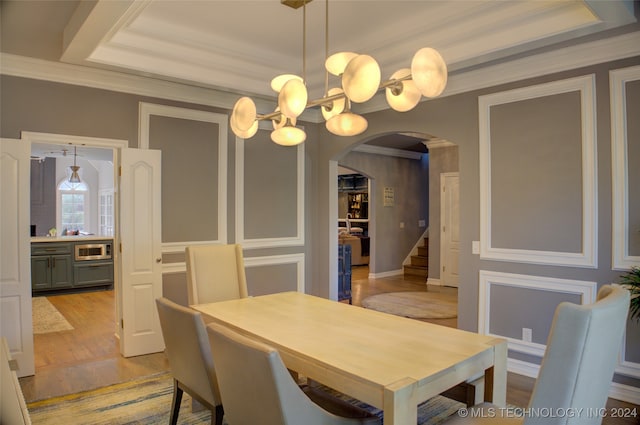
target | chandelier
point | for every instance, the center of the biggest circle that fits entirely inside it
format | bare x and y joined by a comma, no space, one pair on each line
360,80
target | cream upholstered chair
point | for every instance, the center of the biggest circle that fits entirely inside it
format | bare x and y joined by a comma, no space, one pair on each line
189,354
250,370
576,371
215,273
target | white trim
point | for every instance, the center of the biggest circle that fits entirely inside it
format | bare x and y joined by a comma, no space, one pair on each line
586,289
386,274
620,168
571,57
434,281
616,391
297,259
65,139
564,59
438,143
148,109
298,239
174,268
523,368
588,257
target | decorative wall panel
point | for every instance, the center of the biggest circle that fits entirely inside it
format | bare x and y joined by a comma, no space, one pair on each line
538,175
625,150
194,167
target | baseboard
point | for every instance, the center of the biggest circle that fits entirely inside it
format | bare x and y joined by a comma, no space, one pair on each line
625,393
386,274
434,281
617,391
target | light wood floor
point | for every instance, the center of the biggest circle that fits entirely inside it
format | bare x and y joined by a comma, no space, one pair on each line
88,357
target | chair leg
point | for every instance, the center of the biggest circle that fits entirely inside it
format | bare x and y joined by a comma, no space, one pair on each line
175,403
217,415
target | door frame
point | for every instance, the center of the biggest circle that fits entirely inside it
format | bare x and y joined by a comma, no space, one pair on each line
115,145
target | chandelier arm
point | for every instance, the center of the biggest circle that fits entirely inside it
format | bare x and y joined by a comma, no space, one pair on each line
328,99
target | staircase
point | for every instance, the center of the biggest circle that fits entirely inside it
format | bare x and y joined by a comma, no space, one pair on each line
418,269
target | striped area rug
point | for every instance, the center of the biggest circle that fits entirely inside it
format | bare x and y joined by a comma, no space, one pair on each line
148,401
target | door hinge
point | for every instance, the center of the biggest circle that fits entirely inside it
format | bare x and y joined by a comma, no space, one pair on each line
443,268
120,247
444,229
120,171
121,323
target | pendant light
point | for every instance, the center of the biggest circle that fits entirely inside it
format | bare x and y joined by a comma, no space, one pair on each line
74,177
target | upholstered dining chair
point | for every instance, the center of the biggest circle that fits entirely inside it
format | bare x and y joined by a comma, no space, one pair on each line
577,367
189,354
251,370
215,273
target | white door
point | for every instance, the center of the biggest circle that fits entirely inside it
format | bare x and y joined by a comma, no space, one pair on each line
140,233
16,322
450,221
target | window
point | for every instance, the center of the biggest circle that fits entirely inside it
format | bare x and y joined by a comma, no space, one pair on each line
106,212
73,199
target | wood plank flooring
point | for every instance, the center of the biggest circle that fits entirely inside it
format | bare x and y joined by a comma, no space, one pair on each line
88,357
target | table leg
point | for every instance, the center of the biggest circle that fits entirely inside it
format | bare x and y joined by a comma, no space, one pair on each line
495,389
400,405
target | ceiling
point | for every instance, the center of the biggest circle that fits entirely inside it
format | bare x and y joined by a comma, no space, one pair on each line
239,45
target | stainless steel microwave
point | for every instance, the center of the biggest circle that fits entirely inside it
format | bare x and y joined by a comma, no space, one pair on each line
93,251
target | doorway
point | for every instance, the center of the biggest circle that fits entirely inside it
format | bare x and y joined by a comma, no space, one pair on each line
70,212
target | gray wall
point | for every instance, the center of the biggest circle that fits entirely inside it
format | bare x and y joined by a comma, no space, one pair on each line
32,105
456,118
391,243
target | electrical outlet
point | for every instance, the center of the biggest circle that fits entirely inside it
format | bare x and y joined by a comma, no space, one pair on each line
526,334
402,224
421,223
475,247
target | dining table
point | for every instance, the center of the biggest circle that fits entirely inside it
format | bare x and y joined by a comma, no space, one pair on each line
390,362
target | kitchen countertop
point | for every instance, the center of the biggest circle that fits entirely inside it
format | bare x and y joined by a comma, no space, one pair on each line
70,238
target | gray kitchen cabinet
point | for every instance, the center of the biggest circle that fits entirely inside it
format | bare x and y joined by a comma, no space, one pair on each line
51,266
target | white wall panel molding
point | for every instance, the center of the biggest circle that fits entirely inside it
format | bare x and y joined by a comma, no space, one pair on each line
587,290
588,257
146,110
297,259
298,238
617,391
620,166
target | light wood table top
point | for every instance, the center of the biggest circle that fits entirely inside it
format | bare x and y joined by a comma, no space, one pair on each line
390,362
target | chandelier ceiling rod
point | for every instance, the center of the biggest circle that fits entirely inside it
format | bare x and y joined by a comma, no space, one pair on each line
359,76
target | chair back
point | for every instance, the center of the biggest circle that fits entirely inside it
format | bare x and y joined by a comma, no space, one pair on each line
582,352
215,273
188,350
257,388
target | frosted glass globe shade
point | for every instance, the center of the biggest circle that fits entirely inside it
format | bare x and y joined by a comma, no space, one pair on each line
409,96
361,78
292,99
337,105
279,81
347,124
429,72
245,134
337,62
288,136
244,114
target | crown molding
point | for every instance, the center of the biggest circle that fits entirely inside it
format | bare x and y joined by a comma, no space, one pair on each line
564,59
580,55
379,150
